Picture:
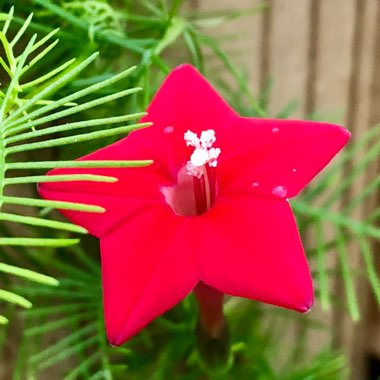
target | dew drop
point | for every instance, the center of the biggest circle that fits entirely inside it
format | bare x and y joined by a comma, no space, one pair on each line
169,129
255,184
275,130
280,191
294,170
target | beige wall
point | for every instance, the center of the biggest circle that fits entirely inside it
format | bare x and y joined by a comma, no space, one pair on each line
325,55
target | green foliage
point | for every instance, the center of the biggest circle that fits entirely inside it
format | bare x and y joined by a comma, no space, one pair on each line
58,94
25,105
164,349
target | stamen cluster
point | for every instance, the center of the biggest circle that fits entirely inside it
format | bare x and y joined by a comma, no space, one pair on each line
203,153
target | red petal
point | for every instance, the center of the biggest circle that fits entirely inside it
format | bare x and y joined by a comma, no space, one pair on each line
136,187
147,267
276,153
117,208
252,249
185,101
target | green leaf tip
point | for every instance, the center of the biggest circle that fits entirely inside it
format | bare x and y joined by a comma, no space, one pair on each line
28,274
15,299
37,242
3,320
60,178
53,204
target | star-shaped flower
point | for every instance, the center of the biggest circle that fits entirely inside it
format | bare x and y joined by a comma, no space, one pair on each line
213,206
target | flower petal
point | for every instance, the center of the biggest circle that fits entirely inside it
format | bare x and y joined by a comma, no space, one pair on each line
185,101
252,249
145,275
135,188
276,153
116,208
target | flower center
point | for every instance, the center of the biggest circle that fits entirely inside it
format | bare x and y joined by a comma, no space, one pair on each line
195,190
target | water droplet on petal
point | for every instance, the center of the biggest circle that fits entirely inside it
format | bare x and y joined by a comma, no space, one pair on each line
255,184
169,129
294,170
275,130
280,191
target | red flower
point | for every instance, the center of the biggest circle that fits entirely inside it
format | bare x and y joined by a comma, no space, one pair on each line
212,207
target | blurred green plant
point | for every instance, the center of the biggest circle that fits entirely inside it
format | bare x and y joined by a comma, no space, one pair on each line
40,109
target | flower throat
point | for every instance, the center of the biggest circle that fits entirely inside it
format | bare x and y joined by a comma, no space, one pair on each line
202,167
195,189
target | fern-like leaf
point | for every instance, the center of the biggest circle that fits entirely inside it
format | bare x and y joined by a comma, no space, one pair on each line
27,110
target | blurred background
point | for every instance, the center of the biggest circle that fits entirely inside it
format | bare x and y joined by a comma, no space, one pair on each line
311,59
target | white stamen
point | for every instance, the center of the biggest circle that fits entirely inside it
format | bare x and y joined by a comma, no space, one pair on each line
207,138
192,139
199,157
213,155
203,153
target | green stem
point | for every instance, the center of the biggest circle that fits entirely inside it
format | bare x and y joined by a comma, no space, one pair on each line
210,305
212,332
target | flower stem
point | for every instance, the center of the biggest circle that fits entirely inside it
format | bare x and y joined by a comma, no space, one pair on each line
212,332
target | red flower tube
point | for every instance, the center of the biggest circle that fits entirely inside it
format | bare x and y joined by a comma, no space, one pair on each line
213,207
